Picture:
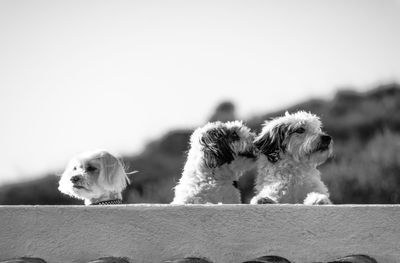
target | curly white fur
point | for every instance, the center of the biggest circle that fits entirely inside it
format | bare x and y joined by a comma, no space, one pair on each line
292,147
214,162
94,176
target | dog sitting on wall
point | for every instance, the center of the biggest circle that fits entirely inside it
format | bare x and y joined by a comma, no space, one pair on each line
219,154
97,177
291,148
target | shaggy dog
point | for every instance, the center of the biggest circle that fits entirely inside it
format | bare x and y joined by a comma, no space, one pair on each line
291,148
219,154
96,177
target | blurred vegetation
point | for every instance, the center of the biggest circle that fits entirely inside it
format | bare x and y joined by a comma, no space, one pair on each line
365,168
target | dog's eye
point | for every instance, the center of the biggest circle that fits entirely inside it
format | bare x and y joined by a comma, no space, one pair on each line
91,168
74,169
300,130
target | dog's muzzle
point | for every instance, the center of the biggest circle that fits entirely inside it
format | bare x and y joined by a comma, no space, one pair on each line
76,178
248,154
76,181
325,141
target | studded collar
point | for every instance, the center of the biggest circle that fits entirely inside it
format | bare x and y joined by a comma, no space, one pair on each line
109,202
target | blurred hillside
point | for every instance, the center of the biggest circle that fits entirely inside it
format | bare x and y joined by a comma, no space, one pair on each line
365,169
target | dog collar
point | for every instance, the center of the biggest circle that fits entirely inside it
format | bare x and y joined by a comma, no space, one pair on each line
109,202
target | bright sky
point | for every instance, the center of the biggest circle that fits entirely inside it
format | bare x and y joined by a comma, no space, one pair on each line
78,75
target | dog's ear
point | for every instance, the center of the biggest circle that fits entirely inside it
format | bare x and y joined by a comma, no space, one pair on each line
217,146
113,172
271,142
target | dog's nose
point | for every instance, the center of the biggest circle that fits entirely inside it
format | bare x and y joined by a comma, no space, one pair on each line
75,178
325,140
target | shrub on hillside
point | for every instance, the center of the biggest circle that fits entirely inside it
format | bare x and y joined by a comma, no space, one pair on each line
368,175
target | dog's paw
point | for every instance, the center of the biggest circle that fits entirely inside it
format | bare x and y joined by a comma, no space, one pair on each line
258,200
265,200
317,199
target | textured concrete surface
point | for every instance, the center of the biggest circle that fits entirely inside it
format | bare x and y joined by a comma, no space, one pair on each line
219,233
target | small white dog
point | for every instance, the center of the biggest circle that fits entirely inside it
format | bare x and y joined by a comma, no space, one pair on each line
219,154
96,177
291,148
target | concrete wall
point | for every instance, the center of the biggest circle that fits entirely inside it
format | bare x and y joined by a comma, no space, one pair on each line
220,233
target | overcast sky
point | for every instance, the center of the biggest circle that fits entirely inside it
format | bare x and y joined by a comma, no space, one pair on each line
78,75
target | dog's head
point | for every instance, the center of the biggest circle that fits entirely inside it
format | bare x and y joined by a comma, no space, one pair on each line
298,136
221,143
92,175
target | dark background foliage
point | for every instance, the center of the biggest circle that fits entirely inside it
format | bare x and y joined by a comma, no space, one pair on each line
365,168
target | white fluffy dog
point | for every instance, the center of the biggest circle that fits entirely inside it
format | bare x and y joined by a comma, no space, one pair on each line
219,154
96,177
291,148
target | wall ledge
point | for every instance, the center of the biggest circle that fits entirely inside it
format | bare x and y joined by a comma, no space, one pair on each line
218,233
